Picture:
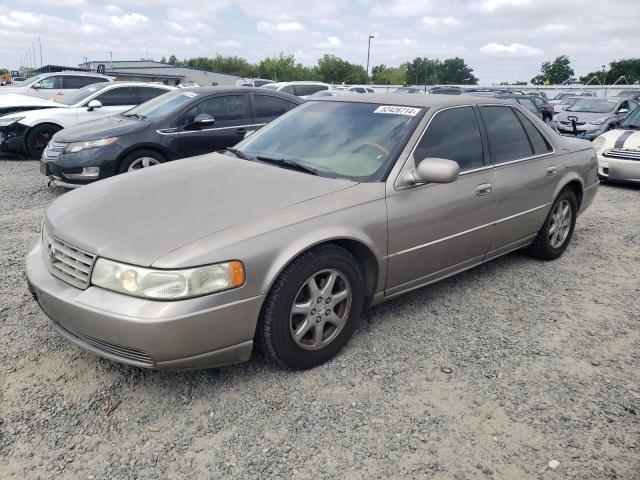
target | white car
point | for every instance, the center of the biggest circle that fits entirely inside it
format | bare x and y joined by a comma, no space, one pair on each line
52,86
360,89
618,151
299,89
11,103
30,131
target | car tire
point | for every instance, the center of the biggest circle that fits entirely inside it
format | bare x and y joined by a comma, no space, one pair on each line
140,159
291,308
38,137
557,230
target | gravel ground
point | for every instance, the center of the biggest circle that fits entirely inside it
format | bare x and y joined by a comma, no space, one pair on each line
516,369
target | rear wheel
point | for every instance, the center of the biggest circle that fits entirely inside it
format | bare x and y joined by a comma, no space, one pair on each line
312,308
38,138
140,159
555,235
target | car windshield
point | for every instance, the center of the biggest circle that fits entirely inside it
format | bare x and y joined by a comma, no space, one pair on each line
29,81
161,105
593,105
79,95
633,120
353,140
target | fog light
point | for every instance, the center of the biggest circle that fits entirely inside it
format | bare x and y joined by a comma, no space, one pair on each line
88,173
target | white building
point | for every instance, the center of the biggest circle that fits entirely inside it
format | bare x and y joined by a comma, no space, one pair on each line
151,71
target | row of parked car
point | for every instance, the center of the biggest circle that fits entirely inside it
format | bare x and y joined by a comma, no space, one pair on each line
109,127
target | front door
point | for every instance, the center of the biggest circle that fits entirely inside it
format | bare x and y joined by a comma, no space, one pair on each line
438,229
232,120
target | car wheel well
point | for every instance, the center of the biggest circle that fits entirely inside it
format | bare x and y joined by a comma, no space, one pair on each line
126,153
577,190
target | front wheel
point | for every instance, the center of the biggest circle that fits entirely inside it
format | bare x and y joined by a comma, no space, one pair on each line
39,137
312,308
557,230
140,159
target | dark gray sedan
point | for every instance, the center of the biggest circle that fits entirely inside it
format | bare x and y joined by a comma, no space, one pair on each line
591,117
282,241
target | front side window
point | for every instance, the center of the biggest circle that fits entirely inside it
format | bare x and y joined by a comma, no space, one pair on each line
452,134
225,108
633,120
507,138
268,106
358,141
49,83
305,90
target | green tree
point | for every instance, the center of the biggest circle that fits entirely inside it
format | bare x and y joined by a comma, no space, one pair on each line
333,69
284,68
436,72
173,60
629,68
231,64
383,75
554,73
163,60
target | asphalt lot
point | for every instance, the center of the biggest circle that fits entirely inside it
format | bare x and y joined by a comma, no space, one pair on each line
497,373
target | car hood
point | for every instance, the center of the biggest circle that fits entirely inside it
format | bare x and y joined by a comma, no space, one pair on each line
141,216
12,100
114,126
582,116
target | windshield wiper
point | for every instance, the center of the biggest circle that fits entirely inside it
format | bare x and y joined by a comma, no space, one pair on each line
284,162
237,153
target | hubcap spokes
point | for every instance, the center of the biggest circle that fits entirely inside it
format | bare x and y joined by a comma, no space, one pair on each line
560,224
320,309
143,162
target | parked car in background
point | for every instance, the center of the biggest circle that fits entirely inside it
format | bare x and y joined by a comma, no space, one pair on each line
178,124
11,103
593,116
445,90
299,89
537,93
342,203
618,151
30,131
360,89
409,89
52,86
633,94
562,96
514,98
253,82
544,107
328,93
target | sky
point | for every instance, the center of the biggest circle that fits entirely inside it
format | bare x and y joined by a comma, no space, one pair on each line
502,40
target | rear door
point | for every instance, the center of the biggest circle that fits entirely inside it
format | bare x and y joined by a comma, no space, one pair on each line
232,119
267,108
115,100
437,229
526,170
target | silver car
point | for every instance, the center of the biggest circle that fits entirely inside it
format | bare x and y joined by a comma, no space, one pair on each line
339,204
591,117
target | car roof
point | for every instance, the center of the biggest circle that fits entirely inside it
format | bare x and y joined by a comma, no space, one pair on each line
236,89
409,100
135,84
74,73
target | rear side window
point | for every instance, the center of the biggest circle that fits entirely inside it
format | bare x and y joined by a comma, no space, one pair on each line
147,93
304,90
268,106
80,81
538,142
507,139
453,134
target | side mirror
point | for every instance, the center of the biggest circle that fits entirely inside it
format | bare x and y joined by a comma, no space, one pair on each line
37,86
432,170
201,121
93,104
623,110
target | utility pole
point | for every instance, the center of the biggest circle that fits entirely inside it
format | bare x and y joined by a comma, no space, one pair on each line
40,43
368,54
111,60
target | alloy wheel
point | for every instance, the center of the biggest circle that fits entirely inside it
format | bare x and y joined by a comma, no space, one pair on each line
143,162
560,224
320,309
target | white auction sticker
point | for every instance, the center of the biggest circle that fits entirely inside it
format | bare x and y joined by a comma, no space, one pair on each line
190,94
396,110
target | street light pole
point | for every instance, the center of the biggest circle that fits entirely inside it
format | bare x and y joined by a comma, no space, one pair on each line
368,54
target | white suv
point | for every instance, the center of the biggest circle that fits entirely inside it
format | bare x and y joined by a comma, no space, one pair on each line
52,86
299,89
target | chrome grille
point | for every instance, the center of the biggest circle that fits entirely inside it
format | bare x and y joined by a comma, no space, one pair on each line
54,149
68,263
623,153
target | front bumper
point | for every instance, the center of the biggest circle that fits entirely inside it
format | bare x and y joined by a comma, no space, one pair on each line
202,332
618,169
581,131
12,138
65,170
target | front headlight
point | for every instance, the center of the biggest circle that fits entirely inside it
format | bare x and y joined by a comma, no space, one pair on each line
6,121
598,143
167,284
79,146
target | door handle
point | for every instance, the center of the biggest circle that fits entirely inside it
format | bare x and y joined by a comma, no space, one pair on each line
484,189
551,171
241,131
